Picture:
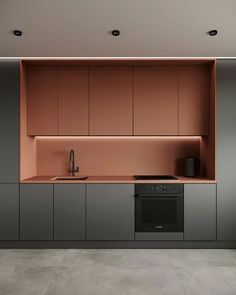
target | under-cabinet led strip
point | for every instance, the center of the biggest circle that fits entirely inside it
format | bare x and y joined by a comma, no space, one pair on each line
118,137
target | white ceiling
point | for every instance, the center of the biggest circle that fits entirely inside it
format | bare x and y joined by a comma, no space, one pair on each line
149,28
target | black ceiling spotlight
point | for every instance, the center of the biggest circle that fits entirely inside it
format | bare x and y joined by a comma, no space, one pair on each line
212,33
17,33
115,33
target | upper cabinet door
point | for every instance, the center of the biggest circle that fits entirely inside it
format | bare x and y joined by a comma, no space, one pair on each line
194,95
42,100
111,100
73,100
155,100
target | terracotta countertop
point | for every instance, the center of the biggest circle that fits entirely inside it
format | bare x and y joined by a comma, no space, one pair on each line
114,179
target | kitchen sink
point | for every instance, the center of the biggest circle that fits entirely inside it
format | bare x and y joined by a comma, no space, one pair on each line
70,178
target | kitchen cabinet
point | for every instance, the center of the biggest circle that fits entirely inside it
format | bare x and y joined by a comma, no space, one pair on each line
118,100
194,95
111,100
69,211
9,212
200,212
110,212
225,150
155,100
36,211
9,121
42,100
73,110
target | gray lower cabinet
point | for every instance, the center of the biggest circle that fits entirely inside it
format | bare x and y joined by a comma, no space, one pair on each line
110,212
226,150
9,211
9,121
69,212
200,212
36,211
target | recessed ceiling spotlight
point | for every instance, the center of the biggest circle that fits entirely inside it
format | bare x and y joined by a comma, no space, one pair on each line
212,32
115,33
17,33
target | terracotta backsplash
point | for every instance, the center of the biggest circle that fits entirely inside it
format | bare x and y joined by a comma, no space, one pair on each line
116,155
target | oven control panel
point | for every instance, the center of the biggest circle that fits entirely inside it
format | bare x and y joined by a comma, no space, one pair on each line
163,188
160,187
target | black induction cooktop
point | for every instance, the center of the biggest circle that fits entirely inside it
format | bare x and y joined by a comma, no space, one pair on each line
155,177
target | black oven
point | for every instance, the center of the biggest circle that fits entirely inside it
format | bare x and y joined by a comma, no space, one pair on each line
159,207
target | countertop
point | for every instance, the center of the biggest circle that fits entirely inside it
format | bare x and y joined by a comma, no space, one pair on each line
114,179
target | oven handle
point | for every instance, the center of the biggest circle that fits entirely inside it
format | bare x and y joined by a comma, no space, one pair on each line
158,196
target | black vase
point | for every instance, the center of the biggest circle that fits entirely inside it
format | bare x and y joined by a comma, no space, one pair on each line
191,167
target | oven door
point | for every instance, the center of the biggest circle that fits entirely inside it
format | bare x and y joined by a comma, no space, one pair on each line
159,213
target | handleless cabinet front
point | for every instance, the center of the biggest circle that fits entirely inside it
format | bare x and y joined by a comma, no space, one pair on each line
200,212
110,212
9,212
111,100
9,121
155,100
69,212
73,104
36,211
194,95
42,100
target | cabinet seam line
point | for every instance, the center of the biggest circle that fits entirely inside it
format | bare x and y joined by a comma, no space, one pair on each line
89,103
178,82
57,104
85,222
53,221
19,211
133,100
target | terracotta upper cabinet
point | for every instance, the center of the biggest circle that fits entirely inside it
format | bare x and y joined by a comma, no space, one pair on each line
42,100
193,100
73,100
155,100
111,100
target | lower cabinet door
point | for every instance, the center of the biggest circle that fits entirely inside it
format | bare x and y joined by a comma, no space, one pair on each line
9,212
36,212
110,212
200,212
69,212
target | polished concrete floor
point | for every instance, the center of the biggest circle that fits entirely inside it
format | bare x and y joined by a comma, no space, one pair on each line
113,272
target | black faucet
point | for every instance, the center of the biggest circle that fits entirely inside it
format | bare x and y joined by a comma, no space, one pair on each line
72,163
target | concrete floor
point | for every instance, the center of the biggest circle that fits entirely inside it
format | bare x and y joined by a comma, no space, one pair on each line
123,272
